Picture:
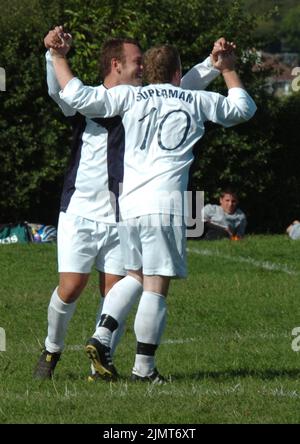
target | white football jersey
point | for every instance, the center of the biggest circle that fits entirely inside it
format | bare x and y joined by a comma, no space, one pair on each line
85,191
161,124
94,169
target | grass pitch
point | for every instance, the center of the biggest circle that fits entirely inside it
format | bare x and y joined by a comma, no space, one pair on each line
227,346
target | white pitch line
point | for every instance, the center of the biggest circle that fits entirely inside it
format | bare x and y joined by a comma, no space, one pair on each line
77,347
265,265
226,337
179,341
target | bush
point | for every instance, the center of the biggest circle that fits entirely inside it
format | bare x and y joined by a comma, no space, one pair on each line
260,158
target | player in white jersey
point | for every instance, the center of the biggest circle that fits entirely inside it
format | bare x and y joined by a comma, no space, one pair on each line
87,232
161,123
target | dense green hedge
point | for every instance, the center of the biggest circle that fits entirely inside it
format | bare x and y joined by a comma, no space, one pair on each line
260,158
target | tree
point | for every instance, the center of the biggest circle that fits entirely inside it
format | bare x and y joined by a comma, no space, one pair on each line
31,134
290,29
35,139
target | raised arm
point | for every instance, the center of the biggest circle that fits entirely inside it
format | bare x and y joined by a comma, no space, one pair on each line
59,43
238,106
225,63
53,85
62,69
89,101
202,74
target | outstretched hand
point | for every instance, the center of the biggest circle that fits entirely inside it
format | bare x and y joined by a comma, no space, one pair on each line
58,41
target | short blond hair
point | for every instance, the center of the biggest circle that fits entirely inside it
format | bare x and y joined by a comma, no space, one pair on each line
160,64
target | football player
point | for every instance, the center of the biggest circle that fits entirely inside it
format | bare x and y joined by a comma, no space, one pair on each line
87,232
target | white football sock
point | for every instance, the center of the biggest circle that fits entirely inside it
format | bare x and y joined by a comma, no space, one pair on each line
99,311
143,365
59,315
117,304
149,325
98,316
116,336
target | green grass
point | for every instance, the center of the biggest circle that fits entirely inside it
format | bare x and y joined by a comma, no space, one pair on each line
227,345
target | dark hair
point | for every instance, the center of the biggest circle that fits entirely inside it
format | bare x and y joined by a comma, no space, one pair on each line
113,48
229,190
160,64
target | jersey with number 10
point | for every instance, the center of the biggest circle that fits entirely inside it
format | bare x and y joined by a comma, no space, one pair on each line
161,123
91,172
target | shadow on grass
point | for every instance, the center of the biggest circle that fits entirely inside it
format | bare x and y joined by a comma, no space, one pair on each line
224,375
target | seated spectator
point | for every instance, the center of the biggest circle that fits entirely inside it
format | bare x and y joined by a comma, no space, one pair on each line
224,220
293,230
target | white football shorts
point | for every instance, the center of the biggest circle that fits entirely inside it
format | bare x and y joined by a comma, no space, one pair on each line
82,243
156,243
